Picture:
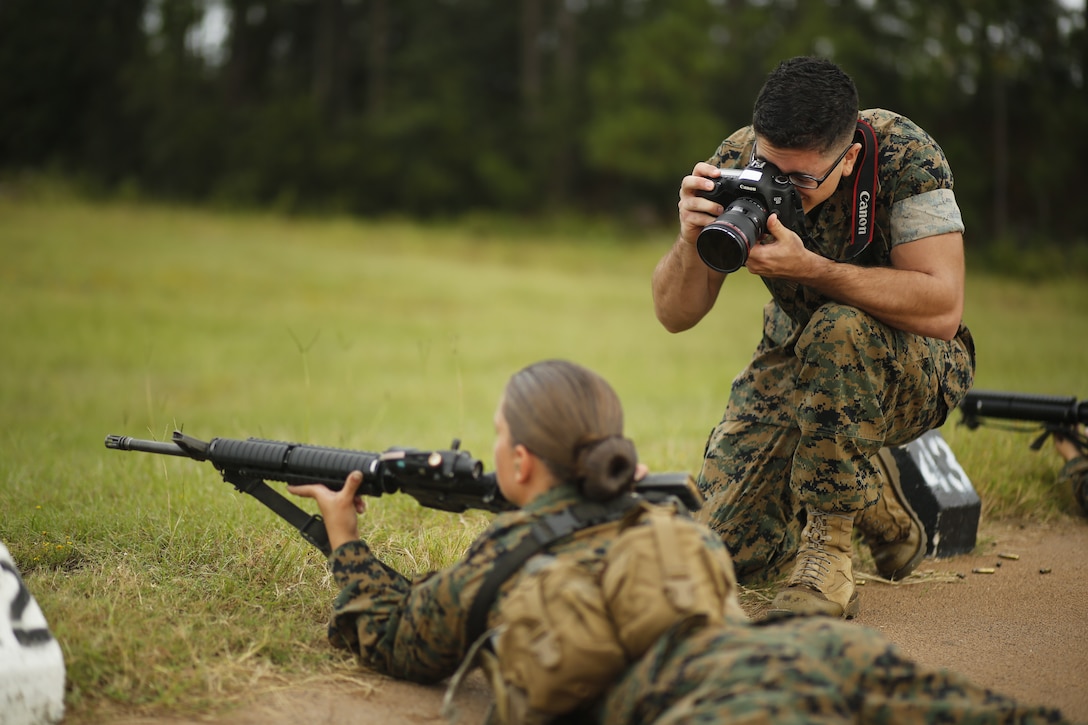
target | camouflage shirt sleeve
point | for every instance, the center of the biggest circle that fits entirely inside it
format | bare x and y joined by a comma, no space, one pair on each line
735,151
411,629
917,177
414,629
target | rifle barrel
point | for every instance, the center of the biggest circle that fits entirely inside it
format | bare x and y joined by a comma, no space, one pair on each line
127,443
1059,409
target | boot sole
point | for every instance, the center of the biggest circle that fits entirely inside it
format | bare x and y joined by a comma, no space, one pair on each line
853,606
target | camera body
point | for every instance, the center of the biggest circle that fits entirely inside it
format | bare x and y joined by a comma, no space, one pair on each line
749,195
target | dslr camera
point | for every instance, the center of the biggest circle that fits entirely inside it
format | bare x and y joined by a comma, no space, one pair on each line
749,195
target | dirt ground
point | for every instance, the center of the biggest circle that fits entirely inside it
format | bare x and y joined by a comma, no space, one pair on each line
1021,630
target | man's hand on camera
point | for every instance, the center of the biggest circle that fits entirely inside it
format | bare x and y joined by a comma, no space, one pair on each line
780,254
696,211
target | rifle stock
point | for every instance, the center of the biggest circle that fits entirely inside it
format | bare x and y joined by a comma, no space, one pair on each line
447,480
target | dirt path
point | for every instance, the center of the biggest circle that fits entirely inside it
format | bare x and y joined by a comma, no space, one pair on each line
1018,630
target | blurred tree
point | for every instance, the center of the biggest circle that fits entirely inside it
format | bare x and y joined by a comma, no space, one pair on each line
377,42
986,77
656,99
173,93
436,107
62,85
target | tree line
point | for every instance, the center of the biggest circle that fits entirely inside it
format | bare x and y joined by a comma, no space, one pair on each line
432,108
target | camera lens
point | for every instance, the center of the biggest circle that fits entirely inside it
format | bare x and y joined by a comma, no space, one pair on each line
724,243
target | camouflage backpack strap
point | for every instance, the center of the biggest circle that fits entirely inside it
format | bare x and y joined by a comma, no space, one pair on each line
545,532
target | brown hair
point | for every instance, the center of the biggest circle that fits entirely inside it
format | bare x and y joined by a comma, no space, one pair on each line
572,419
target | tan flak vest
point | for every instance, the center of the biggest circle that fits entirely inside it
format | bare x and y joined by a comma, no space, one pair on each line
569,631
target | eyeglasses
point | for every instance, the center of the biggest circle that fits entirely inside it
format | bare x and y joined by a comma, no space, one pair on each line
807,181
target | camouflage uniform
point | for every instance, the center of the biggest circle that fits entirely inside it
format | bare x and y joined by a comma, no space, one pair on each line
415,630
792,670
798,670
829,385
1075,473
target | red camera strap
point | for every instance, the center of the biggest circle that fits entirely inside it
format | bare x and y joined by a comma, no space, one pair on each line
861,222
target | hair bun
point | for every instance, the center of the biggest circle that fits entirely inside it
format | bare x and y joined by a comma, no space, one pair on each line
606,467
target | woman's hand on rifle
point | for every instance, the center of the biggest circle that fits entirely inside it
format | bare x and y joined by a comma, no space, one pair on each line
340,509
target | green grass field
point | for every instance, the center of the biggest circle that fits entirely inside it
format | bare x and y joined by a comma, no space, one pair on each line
168,590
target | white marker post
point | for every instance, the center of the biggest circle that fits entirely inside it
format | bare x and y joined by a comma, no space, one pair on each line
31,661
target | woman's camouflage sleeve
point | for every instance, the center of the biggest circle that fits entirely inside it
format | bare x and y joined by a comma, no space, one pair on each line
409,629
362,578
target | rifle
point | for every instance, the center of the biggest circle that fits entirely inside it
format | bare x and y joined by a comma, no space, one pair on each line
1056,415
447,480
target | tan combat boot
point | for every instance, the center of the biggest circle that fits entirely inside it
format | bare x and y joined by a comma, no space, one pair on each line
822,581
890,527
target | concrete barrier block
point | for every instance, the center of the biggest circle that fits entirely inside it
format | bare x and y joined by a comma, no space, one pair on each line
939,491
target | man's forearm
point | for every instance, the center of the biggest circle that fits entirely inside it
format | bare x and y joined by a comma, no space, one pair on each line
909,300
921,292
684,288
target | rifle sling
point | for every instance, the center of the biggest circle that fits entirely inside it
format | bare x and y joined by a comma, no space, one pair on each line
312,527
543,534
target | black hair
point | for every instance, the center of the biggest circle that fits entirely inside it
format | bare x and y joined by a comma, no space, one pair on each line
806,103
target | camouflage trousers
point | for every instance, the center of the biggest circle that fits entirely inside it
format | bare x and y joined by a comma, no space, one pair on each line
798,670
841,389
